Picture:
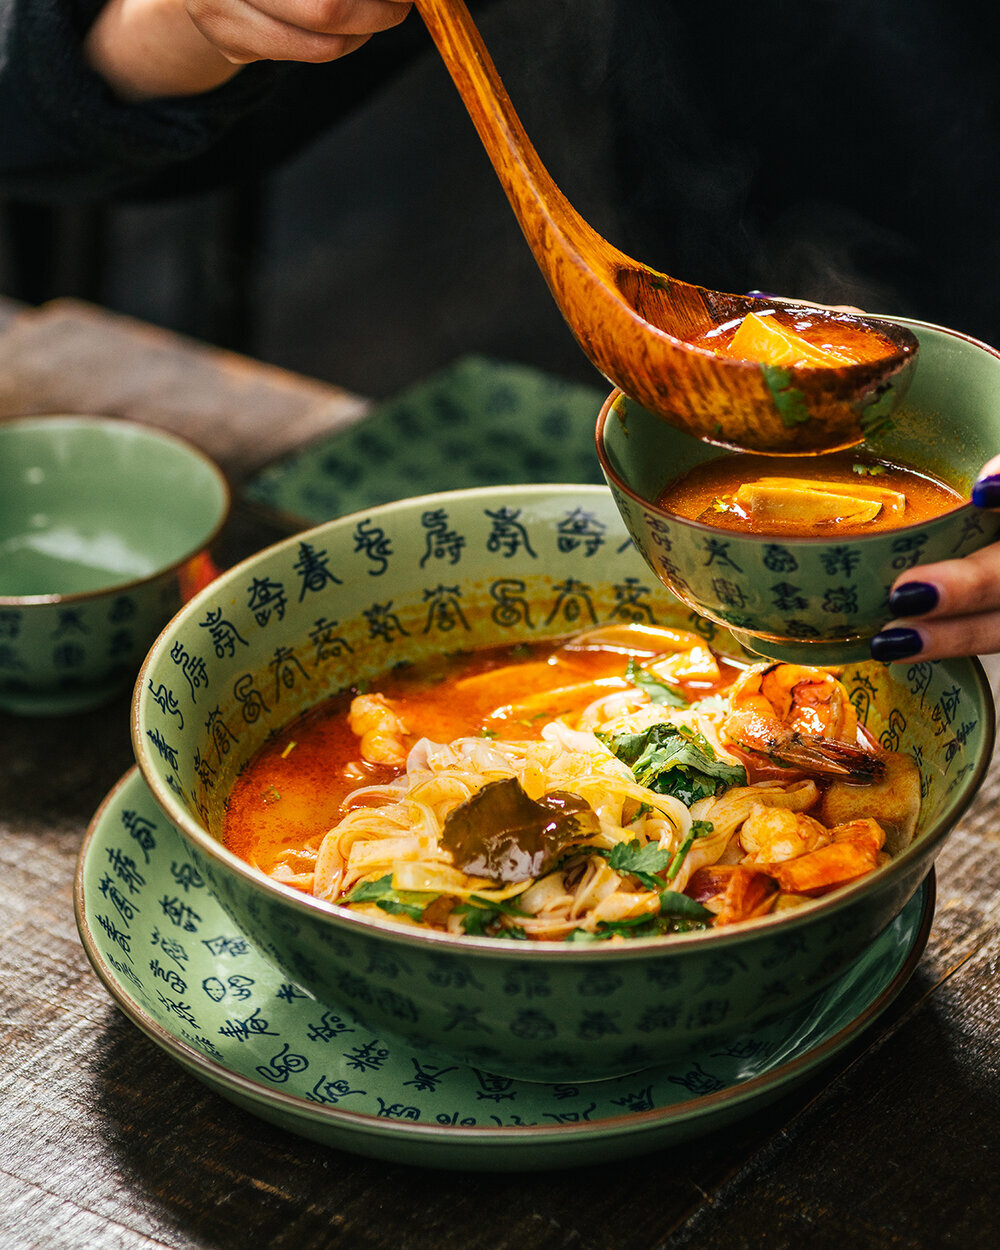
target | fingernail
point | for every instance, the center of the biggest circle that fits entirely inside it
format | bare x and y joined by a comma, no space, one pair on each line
762,295
895,644
913,599
986,492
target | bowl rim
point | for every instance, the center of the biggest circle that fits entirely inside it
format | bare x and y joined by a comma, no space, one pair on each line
155,434
484,947
963,508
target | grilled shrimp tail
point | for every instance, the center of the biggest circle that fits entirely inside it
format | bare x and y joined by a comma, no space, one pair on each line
822,757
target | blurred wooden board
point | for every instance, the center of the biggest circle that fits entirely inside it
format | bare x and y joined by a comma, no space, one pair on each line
68,356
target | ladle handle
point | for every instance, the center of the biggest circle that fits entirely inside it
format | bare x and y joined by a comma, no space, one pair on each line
539,205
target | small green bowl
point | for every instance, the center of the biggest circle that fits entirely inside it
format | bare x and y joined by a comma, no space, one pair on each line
104,526
277,634
814,600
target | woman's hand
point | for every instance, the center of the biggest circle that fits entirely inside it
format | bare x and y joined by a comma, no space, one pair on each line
292,30
158,49
949,608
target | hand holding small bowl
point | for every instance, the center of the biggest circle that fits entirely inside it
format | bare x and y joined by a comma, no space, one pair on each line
952,607
815,600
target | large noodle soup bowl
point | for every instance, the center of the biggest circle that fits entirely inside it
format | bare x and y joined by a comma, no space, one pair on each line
326,608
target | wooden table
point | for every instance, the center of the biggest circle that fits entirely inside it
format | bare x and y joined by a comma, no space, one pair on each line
105,1143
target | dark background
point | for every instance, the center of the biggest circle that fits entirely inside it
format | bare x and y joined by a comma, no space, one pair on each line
844,152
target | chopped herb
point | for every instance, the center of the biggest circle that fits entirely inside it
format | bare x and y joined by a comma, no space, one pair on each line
271,795
675,760
487,733
396,902
635,860
481,918
679,906
498,905
688,917
789,400
680,857
870,470
699,829
655,687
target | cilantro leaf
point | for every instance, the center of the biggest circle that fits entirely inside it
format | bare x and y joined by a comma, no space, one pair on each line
633,859
789,400
481,918
395,902
686,919
655,687
675,760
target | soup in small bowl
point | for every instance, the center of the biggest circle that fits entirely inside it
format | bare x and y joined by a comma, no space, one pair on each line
797,555
456,764
106,526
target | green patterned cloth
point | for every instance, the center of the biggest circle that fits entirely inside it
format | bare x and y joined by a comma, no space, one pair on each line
478,422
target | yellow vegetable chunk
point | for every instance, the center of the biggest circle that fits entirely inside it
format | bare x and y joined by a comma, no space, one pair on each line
790,500
765,340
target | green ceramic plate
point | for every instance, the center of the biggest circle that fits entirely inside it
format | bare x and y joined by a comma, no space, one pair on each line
478,422
183,973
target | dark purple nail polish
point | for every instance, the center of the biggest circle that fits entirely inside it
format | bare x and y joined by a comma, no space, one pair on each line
913,599
986,492
762,295
895,644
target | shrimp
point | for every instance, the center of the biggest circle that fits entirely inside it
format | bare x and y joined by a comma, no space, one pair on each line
774,834
799,717
854,849
381,729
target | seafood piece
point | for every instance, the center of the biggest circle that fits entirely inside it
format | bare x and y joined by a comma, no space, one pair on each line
733,892
774,834
381,729
799,717
854,850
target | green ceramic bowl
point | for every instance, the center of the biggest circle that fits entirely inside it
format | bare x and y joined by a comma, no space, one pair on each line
297,622
814,600
103,527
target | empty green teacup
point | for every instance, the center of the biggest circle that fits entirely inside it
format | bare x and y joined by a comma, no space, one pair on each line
814,600
104,530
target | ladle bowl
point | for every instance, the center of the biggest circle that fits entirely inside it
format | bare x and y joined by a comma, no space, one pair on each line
635,324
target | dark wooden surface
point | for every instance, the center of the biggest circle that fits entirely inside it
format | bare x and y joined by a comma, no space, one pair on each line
105,1143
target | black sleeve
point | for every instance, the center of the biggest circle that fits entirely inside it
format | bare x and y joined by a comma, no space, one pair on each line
63,135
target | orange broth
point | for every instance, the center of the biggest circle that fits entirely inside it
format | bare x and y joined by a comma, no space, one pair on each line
707,492
293,789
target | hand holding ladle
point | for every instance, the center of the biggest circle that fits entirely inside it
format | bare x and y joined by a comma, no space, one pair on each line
636,325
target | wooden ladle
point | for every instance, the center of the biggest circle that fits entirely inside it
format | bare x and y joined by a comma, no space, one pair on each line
636,324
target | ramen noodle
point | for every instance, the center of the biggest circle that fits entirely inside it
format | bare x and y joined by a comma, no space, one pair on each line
623,783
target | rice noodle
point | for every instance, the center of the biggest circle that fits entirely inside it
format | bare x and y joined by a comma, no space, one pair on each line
387,856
